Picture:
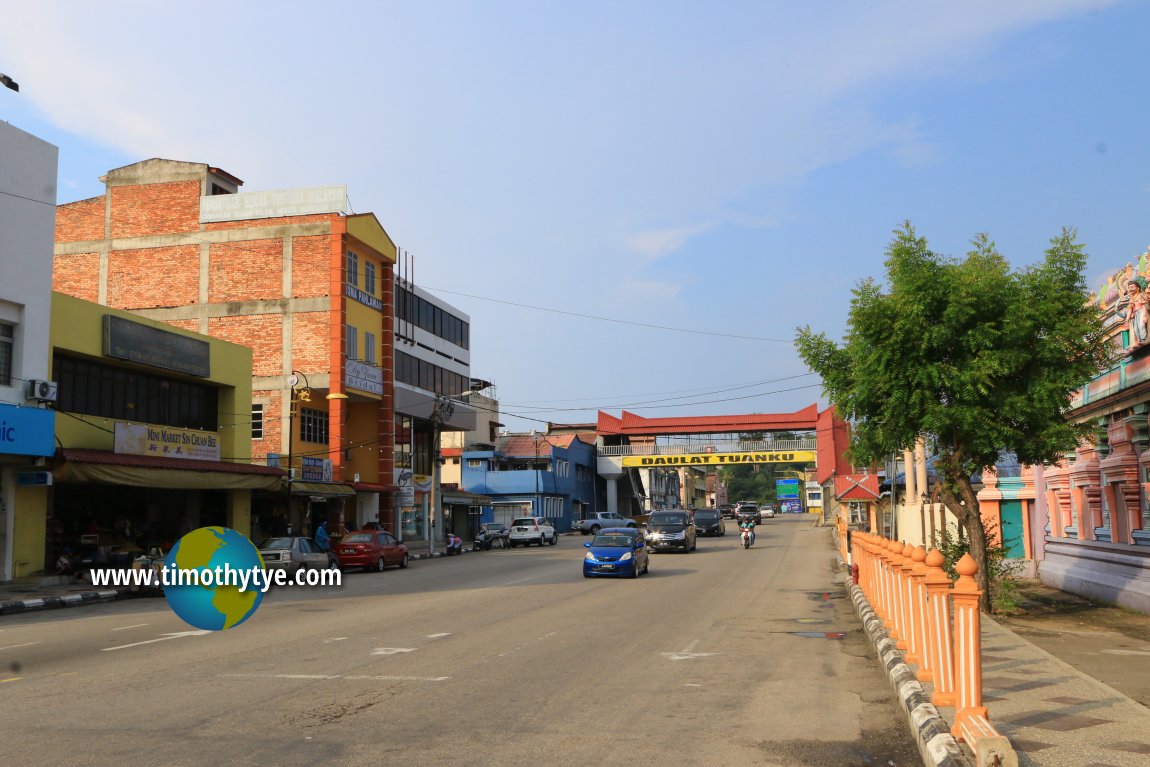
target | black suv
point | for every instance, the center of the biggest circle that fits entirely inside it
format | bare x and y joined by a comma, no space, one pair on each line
671,530
709,522
751,511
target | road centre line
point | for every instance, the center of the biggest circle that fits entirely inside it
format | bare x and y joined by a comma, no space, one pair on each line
14,646
439,636
163,638
11,679
329,677
134,626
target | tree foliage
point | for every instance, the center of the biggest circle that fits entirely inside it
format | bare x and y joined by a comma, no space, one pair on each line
973,355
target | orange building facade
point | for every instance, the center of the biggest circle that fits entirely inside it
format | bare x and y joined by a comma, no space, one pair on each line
291,274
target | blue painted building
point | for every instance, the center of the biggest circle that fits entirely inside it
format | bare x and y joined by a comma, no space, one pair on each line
539,475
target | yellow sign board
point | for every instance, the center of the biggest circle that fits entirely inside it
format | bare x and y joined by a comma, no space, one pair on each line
719,459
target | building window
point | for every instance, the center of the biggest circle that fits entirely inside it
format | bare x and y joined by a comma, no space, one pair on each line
475,463
257,421
352,343
312,426
369,348
369,277
7,338
562,468
858,513
352,269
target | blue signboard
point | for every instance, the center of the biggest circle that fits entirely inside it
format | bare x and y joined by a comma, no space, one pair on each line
786,488
27,431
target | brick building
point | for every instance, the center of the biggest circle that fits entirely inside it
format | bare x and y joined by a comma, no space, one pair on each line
292,274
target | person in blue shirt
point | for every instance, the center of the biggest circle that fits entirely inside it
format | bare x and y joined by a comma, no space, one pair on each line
748,524
321,537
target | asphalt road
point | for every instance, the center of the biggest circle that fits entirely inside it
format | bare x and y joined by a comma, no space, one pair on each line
717,657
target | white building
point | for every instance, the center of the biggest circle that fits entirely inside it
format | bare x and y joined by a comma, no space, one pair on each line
27,428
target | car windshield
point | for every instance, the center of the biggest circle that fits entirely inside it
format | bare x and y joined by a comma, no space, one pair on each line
357,538
494,528
613,540
706,516
659,520
276,543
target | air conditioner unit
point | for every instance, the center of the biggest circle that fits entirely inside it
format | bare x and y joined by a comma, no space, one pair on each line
41,391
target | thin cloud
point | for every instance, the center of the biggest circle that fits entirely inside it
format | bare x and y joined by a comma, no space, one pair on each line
657,243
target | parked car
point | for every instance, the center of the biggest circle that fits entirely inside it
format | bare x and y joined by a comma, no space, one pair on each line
709,522
599,520
371,550
616,551
671,530
750,511
528,530
293,553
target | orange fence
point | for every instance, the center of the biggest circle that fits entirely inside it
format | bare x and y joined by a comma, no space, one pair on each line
935,624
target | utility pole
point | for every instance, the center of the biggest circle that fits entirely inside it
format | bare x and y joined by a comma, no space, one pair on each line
441,410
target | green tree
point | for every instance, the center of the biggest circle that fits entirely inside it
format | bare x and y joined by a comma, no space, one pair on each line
973,355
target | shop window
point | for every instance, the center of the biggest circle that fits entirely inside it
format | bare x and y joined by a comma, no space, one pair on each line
352,343
312,426
257,421
7,340
369,348
369,277
352,269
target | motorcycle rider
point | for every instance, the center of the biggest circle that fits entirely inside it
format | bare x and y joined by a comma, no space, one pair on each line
747,525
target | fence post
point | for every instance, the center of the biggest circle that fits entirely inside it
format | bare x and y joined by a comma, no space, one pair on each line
896,561
968,644
938,606
922,636
908,612
891,620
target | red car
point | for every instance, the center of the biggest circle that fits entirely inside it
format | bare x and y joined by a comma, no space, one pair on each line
371,550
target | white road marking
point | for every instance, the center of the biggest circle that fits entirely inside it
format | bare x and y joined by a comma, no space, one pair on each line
439,636
329,677
687,653
13,646
134,626
688,684
548,635
1112,652
391,650
334,639
164,638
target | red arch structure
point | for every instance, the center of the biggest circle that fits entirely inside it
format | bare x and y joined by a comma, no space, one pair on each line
832,433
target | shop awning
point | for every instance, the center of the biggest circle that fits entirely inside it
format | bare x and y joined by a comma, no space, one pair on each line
464,498
81,465
320,489
372,487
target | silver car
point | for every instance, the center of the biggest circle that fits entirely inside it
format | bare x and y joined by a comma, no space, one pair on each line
294,553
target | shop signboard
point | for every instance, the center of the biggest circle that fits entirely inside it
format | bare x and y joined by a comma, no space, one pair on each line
360,375
146,345
166,442
315,469
406,494
27,431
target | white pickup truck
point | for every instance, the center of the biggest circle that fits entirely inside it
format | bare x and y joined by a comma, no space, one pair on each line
601,519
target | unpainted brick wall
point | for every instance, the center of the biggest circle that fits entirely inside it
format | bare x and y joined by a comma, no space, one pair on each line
151,277
262,332
155,208
77,275
82,220
246,271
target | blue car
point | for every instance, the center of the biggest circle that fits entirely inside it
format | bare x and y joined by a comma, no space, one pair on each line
616,551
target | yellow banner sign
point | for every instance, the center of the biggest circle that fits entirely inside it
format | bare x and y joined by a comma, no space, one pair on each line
719,459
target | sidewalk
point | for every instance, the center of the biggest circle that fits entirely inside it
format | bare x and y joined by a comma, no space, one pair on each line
1053,713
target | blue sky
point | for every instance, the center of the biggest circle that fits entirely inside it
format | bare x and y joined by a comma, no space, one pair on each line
728,168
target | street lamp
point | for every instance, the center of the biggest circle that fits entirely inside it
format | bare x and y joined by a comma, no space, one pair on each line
297,394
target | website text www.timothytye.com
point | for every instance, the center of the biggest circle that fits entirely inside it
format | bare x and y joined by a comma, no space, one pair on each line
242,578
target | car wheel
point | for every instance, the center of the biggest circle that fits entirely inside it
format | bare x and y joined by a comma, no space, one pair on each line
646,566
595,529
555,539
586,574
542,541
403,563
634,569
380,565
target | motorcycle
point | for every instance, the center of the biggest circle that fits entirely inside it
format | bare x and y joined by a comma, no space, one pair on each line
748,538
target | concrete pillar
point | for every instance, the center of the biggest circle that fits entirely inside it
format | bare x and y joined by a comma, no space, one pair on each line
613,495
